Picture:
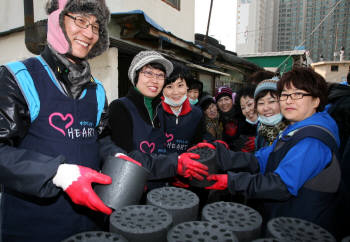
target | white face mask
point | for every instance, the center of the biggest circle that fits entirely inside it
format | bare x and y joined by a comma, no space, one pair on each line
251,122
272,120
172,103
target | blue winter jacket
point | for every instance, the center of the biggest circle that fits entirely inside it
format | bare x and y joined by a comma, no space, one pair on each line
307,158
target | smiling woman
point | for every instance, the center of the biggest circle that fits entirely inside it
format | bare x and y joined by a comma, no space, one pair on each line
150,81
135,118
175,93
183,120
271,121
137,122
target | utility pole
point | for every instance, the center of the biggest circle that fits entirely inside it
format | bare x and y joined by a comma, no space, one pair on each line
206,35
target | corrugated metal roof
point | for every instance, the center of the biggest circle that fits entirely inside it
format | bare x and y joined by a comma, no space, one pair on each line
207,69
277,53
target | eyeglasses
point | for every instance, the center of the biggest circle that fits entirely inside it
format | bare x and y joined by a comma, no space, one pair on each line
293,96
150,74
84,23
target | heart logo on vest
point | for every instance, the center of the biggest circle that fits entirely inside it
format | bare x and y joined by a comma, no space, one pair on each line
64,118
169,136
145,145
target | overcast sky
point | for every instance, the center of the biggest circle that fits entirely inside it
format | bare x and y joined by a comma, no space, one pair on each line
222,23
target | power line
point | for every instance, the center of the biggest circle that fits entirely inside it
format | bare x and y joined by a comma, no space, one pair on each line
313,31
256,30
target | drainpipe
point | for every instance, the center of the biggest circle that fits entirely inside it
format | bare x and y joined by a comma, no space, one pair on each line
35,33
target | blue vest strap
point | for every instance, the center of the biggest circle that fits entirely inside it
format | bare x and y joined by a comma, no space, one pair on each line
48,71
286,143
101,97
26,84
318,132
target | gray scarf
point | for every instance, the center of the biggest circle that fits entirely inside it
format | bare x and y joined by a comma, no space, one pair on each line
79,74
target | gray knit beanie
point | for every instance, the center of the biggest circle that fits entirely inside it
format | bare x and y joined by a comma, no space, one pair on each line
98,8
146,57
269,84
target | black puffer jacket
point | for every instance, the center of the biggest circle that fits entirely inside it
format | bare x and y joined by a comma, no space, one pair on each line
23,170
30,172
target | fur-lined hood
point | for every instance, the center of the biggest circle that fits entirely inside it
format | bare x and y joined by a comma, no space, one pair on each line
98,8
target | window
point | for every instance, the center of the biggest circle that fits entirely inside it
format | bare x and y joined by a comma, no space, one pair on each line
334,68
173,3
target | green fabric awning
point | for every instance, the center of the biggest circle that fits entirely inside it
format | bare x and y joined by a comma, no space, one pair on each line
273,62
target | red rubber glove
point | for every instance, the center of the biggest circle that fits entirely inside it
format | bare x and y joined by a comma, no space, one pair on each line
125,157
221,182
76,181
178,183
189,168
249,146
202,145
222,142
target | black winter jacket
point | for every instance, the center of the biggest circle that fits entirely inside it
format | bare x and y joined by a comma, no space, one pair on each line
120,127
27,171
339,98
244,177
173,122
120,120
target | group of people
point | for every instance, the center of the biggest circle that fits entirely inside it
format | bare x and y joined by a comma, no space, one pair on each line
275,141
56,131
299,126
247,120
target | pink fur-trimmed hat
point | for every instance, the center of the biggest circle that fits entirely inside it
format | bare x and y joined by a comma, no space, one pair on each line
56,34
